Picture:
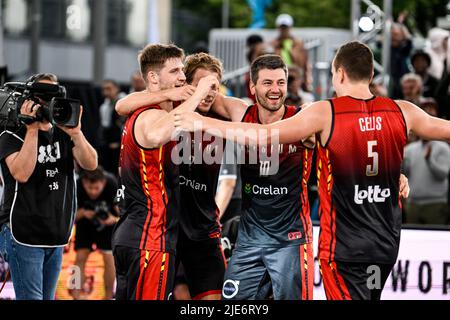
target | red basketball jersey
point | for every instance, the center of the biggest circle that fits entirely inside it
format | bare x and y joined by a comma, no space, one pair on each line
358,178
150,186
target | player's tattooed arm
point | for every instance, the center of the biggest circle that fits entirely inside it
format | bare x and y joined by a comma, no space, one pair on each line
140,99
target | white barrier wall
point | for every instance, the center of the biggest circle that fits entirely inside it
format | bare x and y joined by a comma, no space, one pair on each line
422,271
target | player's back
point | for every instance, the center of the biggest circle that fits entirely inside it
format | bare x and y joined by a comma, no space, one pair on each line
150,191
358,178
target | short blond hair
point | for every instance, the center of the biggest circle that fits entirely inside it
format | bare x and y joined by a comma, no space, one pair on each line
201,60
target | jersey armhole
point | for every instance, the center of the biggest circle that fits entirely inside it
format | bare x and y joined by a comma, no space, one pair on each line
297,109
403,117
134,136
246,112
331,128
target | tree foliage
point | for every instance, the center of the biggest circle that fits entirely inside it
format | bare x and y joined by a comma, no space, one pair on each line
306,13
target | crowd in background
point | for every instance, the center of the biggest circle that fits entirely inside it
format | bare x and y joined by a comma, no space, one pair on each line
420,75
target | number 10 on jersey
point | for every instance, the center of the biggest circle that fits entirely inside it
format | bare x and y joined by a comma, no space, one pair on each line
372,169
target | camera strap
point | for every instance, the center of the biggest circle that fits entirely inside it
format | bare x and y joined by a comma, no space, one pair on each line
27,120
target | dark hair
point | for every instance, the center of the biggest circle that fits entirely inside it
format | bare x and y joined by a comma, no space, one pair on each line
113,82
266,61
154,56
356,59
429,103
423,54
94,175
200,47
254,39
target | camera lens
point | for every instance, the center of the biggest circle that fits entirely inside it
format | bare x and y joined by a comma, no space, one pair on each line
61,112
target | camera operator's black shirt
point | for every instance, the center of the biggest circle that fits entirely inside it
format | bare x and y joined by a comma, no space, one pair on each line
41,211
108,194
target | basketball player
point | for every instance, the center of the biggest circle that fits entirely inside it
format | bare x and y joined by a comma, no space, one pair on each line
199,246
144,240
360,142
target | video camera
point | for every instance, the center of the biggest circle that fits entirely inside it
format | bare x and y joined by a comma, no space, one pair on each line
56,108
101,210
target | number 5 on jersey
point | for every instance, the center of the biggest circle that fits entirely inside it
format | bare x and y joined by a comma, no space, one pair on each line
372,170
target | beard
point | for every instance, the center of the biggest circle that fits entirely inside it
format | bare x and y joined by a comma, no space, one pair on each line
268,104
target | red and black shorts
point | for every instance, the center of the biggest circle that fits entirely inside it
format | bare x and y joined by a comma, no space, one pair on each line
354,281
204,265
143,274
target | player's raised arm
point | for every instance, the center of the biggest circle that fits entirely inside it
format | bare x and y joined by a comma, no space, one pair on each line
137,100
307,122
155,127
424,125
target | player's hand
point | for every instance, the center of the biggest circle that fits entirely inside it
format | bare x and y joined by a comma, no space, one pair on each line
206,85
180,93
404,186
187,121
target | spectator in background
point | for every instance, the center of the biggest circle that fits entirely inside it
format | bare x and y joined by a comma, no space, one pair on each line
437,49
443,89
255,48
96,217
412,88
200,46
427,166
292,50
229,197
421,63
110,126
137,82
401,46
378,88
229,190
296,96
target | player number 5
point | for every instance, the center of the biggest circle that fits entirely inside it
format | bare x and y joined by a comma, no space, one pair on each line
372,170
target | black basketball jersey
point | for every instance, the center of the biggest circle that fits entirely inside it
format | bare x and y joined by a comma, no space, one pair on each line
275,207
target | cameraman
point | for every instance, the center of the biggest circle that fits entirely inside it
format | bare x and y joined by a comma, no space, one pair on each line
96,217
36,217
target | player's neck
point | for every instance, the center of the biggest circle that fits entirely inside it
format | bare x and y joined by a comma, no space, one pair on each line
167,106
358,91
267,116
